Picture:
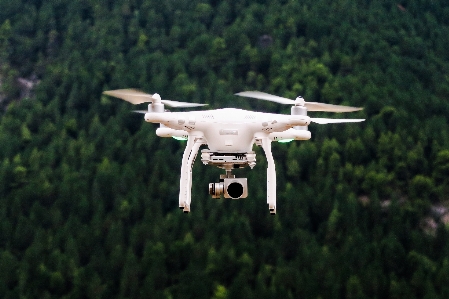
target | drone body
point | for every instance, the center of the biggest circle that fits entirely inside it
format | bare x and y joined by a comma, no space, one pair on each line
228,130
230,135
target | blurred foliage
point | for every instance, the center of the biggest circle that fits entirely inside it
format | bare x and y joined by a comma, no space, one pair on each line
89,193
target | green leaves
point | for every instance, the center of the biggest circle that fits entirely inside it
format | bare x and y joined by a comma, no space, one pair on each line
89,194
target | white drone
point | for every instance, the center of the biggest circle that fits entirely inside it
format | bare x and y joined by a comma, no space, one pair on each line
230,135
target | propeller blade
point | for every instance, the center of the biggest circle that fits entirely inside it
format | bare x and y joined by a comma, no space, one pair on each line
138,97
130,95
334,120
314,106
140,111
311,106
265,96
181,104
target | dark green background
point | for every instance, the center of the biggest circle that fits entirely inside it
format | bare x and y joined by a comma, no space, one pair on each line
89,193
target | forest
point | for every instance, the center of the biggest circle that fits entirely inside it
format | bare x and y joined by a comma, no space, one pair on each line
89,193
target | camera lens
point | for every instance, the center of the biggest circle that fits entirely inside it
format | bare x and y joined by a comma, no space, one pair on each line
235,190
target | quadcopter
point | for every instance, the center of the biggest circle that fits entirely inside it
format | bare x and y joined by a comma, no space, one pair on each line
230,134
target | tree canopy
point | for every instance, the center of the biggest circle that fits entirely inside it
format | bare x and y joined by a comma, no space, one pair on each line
89,193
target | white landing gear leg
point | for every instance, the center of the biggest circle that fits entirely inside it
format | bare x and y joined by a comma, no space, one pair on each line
183,180
271,176
185,183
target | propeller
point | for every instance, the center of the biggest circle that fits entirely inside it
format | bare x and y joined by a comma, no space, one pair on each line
311,106
137,97
140,111
323,121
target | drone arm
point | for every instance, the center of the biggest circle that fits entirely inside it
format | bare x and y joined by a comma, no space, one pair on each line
164,131
271,175
162,118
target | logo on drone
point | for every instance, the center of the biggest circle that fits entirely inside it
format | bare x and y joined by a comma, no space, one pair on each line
228,132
